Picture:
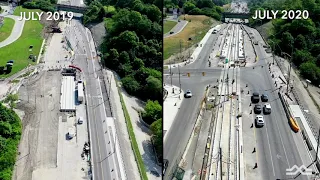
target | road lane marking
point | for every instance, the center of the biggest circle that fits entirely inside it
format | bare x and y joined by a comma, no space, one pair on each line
270,151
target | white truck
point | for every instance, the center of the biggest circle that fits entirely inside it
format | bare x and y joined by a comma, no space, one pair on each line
80,92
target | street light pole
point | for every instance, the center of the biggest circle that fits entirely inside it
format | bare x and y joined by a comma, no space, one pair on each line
317,147
170,74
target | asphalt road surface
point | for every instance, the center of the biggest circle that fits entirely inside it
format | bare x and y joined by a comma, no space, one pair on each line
181,128
103,163
276,150
176,29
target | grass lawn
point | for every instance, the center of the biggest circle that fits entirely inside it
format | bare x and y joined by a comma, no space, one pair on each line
19,50
197,29
168,25
6,29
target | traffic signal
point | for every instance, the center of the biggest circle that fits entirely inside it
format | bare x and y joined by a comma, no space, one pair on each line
188,74
203,73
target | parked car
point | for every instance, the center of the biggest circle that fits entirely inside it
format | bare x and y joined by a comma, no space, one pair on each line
255,97
259,121
257,109
267,109
264,98
188,94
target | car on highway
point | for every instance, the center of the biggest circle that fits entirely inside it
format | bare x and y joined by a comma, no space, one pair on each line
257,109
259,121
255,97
188,94
171,32
264,98
267,109
164,166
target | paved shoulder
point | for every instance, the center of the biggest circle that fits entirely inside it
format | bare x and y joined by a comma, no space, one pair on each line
16,31
177,28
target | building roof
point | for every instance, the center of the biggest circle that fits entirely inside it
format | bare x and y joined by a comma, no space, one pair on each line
67,99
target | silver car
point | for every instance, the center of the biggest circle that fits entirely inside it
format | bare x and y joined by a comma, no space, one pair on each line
188,94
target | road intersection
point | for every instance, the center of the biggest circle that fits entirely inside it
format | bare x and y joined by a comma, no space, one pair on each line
275,144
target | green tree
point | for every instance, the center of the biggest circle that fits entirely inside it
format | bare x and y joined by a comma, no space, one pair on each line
137,64
152,112
153,88
188,6
310,71
301,56
156,129
300,42
287,41
130,85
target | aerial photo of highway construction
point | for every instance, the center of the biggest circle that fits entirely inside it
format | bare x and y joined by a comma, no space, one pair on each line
66,111
234,108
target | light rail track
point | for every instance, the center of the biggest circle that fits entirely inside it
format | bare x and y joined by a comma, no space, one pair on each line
224,136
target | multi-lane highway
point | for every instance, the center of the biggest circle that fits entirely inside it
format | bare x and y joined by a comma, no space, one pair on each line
105,162
277,146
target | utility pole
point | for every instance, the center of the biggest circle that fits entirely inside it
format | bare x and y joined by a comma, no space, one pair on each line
170,73
179,65
273,53
179,77
317,146
220,163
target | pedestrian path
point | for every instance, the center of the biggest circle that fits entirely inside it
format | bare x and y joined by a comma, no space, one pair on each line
171,106
16,30
198,49
177,28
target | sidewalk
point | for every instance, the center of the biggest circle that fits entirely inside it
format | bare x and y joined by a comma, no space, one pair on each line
198,49
171,106
16,31
130,164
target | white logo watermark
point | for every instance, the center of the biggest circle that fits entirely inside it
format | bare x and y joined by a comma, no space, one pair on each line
295,170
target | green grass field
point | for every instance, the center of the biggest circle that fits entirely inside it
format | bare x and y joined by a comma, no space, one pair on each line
196,29
19,50
168,25
6,29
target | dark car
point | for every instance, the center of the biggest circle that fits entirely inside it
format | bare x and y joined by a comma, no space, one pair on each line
255,97
171,32
164,166
264,98
257,109
11,61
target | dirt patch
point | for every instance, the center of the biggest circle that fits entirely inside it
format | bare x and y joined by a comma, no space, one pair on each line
39,99
193,33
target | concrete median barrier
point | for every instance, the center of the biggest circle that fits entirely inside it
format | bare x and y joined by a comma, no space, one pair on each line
294,125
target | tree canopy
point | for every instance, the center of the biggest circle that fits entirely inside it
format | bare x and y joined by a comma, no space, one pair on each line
10,132
198,7
299,37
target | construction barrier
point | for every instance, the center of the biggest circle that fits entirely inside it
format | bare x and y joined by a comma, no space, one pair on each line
294,125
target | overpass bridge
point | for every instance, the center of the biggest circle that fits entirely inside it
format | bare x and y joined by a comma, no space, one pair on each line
235,15
71,8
